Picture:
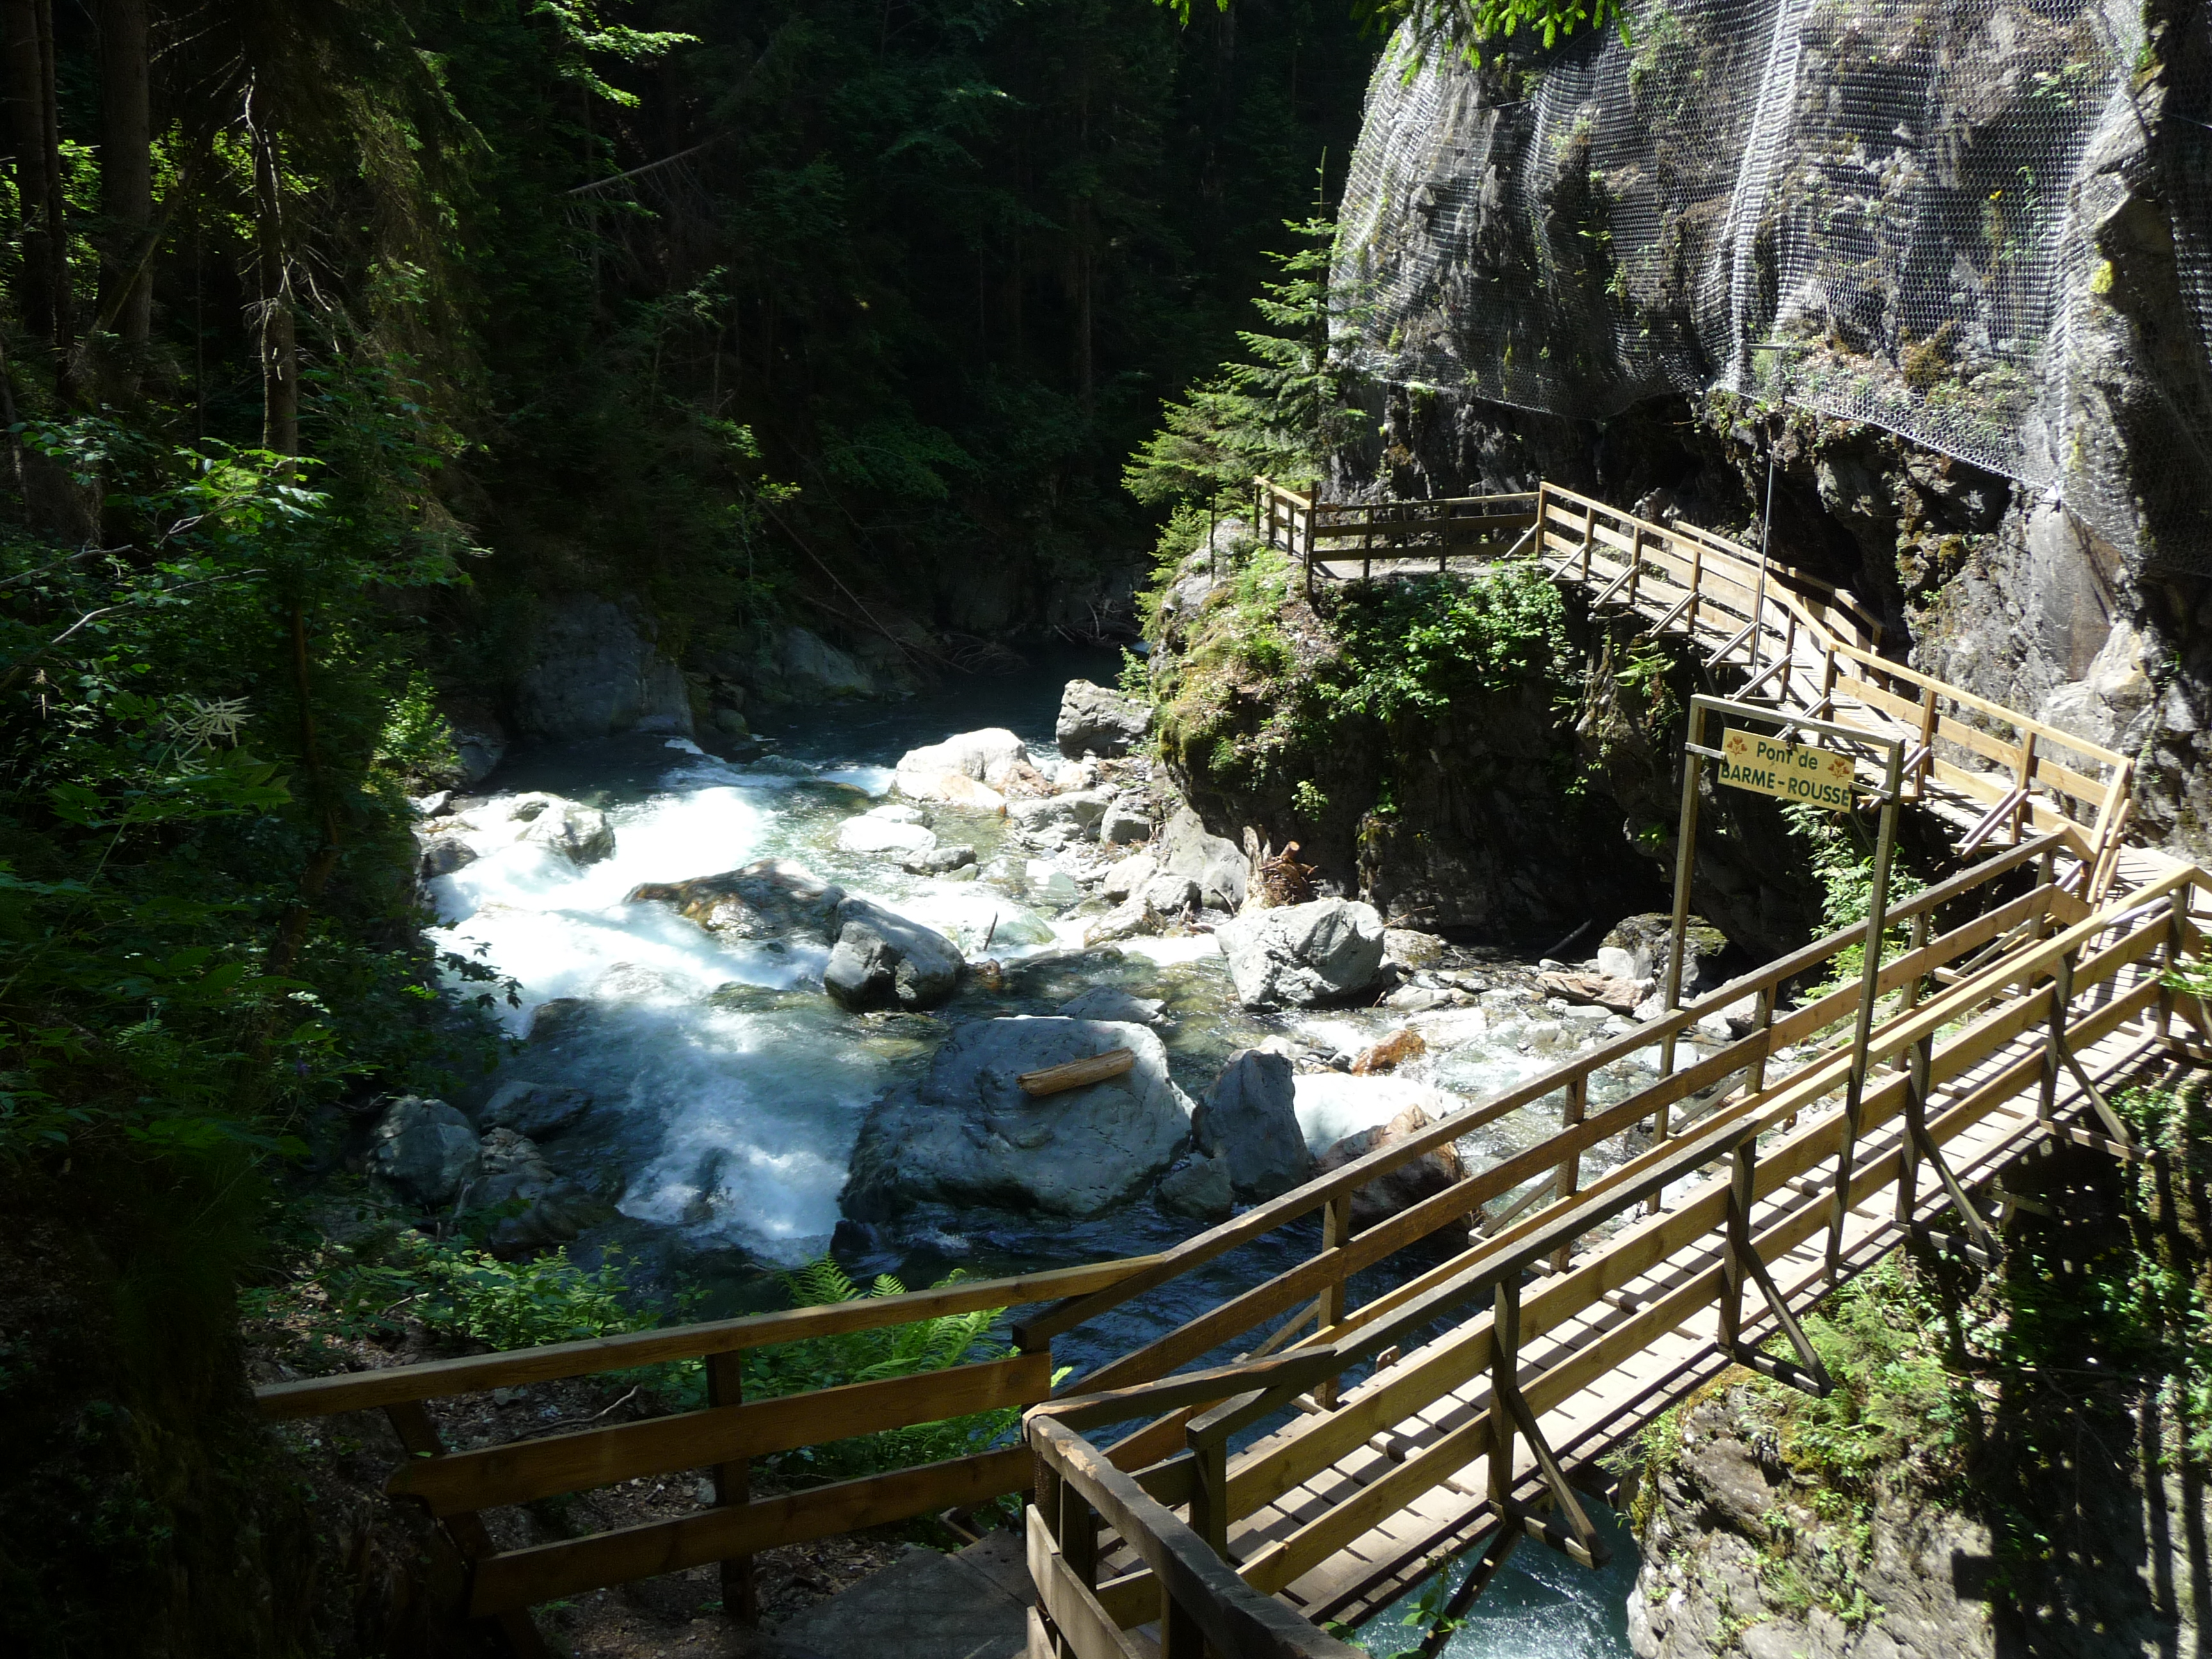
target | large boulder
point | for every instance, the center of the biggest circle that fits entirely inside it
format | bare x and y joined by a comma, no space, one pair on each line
1111,1002
539,1110
1079,809
528,1205
982,757
969,1134
882,960
1095,721
425,1149
595,674
1250,1120
812,667
1638,948
1304,956
1198,1187
1216,864
579,834
772,898
1400,1188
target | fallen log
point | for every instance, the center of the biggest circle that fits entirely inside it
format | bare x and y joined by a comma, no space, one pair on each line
1076,1074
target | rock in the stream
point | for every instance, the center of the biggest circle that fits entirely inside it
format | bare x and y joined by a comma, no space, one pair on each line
870,834
1250,1120
1123,825
540,1110
1080,808
426,1148
1198,1187
1110,1002
443,854
1409,949
978,758
882,960
770,899
1048,884
1400,1188
938,860
1095,721
1303,956
533,1207
579,834
1646,939
969,1134
1129,876
1217,865
1165,902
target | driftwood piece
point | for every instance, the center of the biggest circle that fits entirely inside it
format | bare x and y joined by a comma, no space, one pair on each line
1075,1073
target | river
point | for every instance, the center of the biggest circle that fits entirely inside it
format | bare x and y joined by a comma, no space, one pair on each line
728,1091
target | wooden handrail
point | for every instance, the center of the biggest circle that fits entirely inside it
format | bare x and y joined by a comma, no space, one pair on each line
433,1379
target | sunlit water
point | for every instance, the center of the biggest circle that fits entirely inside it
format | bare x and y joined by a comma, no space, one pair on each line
729,1091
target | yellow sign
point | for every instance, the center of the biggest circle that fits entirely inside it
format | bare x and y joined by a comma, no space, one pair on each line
1818,777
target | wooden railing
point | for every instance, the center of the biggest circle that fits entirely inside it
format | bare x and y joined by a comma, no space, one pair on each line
1795,638
1321,532
2041,957
721,1440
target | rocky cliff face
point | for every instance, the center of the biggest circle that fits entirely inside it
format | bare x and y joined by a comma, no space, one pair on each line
1945,270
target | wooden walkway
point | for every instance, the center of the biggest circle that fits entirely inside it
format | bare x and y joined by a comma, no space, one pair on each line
1590,1279
1782,635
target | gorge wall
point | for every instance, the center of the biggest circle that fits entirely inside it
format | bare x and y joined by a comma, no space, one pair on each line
1938,278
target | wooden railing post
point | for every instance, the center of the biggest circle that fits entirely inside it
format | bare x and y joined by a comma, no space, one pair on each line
1209,1493
1735,1261
1335,1231
418,1436
1590,537
1568,1180
1919,1070
1504,1380
1635,560
1762,1019
1697,580
1917,940
2176,935
1929,721
733,1486
2054,1042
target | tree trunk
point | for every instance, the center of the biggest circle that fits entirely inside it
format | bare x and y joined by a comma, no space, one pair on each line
35,132
280,353
126,194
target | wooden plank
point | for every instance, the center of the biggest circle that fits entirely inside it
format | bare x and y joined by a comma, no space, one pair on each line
2066,739
320,1396
545,1572
531,1469
1299,1369
1076,1074
1082,1624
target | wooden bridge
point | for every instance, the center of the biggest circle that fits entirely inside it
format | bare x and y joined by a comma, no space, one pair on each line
1288,1458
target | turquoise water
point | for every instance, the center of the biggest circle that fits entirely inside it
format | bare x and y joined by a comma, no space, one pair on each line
1539,1606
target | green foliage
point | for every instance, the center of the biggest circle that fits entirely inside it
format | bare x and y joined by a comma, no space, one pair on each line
1280,414
1414,646
1467,26
1836,847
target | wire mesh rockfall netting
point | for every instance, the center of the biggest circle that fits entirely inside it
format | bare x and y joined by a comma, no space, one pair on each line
1884,210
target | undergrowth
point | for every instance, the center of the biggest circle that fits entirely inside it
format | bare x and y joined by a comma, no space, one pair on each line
377,1289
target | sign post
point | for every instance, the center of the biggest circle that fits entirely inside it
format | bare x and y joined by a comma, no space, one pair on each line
1823,777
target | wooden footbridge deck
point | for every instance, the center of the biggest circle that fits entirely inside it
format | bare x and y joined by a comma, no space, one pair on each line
1287,1458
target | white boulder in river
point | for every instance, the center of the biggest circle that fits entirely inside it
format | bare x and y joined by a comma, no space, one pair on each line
962,770
1303,956
882,960
969,1134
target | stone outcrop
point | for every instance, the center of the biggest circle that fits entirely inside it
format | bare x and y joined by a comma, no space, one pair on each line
1250,1120
771,898
969,768
1304,956
1096,720
539,1110
882,960
1216,864
594,673
969,1134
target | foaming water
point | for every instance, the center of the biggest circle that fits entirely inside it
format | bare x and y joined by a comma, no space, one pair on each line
1539,1606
